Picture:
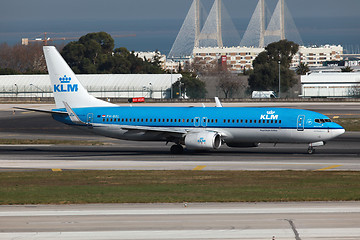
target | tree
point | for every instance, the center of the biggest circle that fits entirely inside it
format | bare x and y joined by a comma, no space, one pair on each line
94,53
22,59
228,84
302,69
347,69
265,75
191,85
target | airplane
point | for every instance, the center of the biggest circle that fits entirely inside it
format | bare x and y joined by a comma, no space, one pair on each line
196,128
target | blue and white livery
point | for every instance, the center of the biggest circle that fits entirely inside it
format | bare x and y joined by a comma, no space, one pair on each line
198,128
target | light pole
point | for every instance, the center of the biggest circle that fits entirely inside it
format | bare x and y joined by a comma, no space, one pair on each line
279,96
150,90
42,91
171,88
17,90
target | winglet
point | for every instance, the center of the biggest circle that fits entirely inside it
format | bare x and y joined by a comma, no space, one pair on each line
218,103
73,117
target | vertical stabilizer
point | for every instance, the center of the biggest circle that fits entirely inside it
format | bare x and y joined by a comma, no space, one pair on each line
66,87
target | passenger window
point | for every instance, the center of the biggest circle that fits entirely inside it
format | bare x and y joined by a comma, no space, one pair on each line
279,121
224,121
263,121
228,120
233,121
192,120
187,120
216,120
250,121
245,121
272,121
254,121
267,121
241,121
103,119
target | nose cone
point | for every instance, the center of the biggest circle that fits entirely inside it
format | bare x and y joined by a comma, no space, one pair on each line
339,130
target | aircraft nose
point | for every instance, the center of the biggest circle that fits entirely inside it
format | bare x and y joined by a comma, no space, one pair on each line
338,132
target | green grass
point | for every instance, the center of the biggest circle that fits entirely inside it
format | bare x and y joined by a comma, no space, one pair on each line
350,124
176,186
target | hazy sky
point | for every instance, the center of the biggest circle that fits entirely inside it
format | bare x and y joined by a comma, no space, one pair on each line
156,22
161,9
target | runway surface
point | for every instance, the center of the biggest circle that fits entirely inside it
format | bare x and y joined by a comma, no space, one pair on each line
336,155
314,220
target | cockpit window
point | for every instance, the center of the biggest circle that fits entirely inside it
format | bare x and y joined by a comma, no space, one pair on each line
322,120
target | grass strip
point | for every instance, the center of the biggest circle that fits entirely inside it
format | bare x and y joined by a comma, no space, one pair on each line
48,141
176,186
349,124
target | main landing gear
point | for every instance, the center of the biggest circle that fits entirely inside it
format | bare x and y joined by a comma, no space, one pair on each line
176,149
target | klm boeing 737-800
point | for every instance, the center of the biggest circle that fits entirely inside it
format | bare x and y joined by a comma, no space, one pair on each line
196,128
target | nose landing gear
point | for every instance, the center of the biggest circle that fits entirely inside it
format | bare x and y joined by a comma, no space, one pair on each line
311,149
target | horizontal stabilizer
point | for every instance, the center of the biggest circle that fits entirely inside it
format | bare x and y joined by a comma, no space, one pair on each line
41,110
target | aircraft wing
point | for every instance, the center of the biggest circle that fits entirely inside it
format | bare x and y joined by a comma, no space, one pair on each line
156,129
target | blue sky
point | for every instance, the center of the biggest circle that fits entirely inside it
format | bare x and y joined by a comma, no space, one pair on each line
156,22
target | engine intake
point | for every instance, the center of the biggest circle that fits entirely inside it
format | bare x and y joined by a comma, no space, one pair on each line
203,140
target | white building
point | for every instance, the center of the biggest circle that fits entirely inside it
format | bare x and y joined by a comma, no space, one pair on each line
236,58
98,85
330,84
316,56
239,58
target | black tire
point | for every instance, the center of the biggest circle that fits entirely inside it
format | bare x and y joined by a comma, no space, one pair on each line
311,150
176,149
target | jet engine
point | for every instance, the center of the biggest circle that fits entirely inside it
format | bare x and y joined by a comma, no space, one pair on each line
203,140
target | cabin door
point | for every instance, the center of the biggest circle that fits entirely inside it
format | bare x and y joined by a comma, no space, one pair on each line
90,118
301,123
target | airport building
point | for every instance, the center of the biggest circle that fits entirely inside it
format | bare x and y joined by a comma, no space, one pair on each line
330,84
99,85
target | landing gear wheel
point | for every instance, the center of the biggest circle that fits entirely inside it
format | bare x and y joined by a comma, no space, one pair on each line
176,149
311,150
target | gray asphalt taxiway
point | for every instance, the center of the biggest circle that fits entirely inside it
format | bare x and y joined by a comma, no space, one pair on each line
285,221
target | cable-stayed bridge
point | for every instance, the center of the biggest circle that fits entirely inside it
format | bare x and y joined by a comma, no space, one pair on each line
218,29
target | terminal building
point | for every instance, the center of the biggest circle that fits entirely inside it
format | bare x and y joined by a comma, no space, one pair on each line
330,85
99,85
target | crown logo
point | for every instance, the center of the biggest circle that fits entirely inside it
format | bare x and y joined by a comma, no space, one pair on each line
65,79
270,112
